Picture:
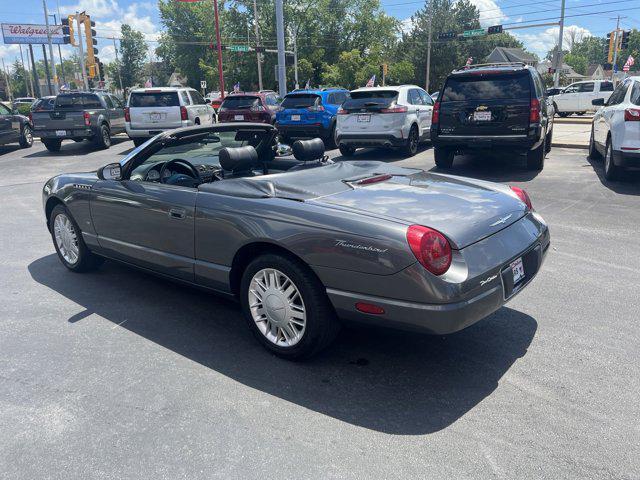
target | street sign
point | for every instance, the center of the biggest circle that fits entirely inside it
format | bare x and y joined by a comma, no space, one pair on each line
478,32
447,35
203,84
238,48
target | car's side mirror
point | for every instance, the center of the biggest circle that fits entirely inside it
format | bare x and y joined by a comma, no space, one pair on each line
283,150
598,102
113,171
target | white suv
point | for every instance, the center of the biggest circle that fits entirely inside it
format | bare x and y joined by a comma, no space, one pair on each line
150,111
615,132
384,117
577,97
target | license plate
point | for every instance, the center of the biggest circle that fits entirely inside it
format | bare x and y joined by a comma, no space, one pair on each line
238,117
295,118
482,116
364,118
155,117
61,133
517,268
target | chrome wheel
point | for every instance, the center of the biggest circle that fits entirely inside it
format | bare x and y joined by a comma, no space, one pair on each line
106,136
277,307
66,238
28,135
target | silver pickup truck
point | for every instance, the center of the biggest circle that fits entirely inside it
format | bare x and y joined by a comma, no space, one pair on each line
78,116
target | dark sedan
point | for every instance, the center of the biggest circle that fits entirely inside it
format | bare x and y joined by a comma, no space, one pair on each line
15,128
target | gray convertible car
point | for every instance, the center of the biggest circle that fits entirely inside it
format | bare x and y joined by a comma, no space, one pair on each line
303,243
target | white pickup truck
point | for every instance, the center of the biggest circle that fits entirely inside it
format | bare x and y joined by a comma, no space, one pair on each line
577,97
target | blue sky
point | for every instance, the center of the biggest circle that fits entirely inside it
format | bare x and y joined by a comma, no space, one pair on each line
143,16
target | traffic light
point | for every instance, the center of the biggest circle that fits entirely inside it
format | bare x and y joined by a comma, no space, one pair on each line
89,35
68,33
494,29
624,43
612,41
100,69
447,35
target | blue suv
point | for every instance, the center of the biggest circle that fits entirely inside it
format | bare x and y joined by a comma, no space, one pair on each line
310,113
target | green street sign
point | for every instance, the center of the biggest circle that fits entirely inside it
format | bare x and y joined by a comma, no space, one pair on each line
238,48
478,32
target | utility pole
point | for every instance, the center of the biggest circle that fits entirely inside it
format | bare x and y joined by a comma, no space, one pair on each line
6,76
85,82
64,78
615,48
556,75
219,45
428,72
51,57
258,54
28,75
282,77
295,59
34,73
46,70
115,48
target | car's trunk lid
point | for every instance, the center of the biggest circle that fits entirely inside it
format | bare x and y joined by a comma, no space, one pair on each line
464,211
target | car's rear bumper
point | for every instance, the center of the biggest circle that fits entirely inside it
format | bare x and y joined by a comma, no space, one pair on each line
303,131
524,141
626,158
69,133
134,132
370,140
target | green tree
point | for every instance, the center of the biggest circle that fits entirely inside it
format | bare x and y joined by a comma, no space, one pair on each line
578,62
133,52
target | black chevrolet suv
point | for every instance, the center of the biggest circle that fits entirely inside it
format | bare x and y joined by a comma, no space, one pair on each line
493,107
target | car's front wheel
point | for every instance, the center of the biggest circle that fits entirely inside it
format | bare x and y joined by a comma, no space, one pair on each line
52,145
26,137
611,171
287,307
67,239
330,140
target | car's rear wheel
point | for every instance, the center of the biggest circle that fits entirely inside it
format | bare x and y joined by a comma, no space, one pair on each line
611,171
411,147
67,239
593,150
347,150
52,145
26,136
287,307
535,158
103,137
443,157
330,140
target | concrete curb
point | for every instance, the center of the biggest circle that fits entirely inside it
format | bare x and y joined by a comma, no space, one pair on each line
574,121
571,145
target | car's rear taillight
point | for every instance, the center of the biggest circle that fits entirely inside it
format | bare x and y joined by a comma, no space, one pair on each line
316,108
127,115
430,248
435,117
522,195
342,111
632,114
395,109
183,113
30,118
87,119
534,111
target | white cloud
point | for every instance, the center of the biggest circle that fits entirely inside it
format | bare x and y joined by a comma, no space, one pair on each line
541,42
406,25
95,8
490,12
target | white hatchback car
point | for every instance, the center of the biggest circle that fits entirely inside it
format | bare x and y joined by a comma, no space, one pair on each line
384,117
150,111
615,132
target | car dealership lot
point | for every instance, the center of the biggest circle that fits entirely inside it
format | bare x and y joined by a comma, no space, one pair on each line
117,374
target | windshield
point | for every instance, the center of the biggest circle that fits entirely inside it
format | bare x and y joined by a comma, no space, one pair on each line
155,99
486,87
370,99
243,102
300,100
78,101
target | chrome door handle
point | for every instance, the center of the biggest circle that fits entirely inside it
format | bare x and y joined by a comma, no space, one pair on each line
177,213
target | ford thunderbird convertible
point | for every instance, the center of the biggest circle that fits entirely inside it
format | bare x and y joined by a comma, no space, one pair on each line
302,242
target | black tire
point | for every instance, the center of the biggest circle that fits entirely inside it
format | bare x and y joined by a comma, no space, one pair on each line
321,325
413,140
443,157
564,114
86,261
330,140
103,137
535,158
52,145
26,136
611,171
593,150
347,150
138,141
548,141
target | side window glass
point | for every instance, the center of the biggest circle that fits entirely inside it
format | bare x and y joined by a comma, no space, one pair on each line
635,94
185,98
4,110
618,94
606,87
414,97
426,98
586,87
571,89
116,101
331,99
107,100
196,98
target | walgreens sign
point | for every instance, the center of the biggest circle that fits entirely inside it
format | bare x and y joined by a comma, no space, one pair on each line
29,33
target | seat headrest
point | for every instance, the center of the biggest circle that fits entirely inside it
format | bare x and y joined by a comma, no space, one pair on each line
238,159
307,150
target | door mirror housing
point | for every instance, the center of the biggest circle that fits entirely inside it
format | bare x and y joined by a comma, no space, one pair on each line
598,102
113,171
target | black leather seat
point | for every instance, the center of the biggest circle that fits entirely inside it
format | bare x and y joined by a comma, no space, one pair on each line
238,161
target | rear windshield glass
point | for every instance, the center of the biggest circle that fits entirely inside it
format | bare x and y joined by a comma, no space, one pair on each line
370,99
78,100
301,100
155,99
240,102
484,88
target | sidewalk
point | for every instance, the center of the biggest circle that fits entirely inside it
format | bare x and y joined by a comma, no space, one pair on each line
571,135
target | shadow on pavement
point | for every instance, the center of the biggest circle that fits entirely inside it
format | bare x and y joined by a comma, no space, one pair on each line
503,167
4,149
392,382
380,154
629,184
69,147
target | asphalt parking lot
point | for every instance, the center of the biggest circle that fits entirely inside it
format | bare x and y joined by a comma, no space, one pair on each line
118,374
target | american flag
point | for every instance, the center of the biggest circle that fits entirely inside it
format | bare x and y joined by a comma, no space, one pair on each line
628,64
148,83
469,61
371,82
236,87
